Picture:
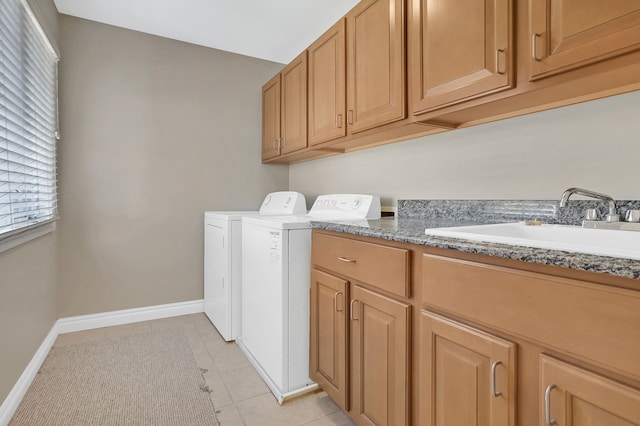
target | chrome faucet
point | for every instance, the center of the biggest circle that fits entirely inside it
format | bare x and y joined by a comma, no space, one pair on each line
612,216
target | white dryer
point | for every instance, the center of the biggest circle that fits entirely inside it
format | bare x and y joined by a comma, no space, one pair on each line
223,259
276,281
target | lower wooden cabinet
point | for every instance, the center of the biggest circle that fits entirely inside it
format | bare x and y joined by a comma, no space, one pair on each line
467,340
328,335
572,396
361,328
467,377
360,350
380,358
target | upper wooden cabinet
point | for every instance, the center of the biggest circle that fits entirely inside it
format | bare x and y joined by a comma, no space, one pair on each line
271,118
357,72
284,110
391,70
294,105
375,64
568,34
459,50
327,82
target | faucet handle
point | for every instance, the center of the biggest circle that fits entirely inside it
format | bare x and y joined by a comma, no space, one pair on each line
591,214
612,218
633,216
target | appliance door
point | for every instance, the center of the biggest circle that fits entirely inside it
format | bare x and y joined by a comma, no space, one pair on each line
217,294
264,299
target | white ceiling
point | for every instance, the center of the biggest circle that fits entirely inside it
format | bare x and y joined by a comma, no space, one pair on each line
275,30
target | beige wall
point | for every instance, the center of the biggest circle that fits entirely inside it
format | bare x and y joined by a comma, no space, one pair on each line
154,132
592,145
27,281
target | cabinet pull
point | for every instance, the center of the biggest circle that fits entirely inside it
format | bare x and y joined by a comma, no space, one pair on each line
534,46
350,116
335,301
351,311
494,392
547,406
339,121
499,53
344,259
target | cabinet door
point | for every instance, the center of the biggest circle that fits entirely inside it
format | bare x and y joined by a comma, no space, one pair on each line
375,64
380,359
460,49
567,34
467,377
327,80
271,118
571,396
294,105
329,336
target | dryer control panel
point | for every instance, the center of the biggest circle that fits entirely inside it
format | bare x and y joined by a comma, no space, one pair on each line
284,203
349,206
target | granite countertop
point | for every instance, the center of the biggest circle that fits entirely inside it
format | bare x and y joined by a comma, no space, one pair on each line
411,229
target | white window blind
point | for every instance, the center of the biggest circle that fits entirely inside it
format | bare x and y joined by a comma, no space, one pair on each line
28,121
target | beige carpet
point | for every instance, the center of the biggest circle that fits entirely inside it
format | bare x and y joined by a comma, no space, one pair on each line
140,379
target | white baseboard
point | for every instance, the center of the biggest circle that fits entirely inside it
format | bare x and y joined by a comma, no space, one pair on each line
128,316
88,322
11,403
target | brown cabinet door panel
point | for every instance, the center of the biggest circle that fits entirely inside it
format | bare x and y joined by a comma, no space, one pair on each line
567,34
375,64
327,86
577,397
329,335
294,105
461,49
271,118
380,359
467,377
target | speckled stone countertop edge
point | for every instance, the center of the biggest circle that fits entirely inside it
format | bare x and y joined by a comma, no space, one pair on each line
629,268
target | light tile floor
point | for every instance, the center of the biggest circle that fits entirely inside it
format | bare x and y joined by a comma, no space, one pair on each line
239,395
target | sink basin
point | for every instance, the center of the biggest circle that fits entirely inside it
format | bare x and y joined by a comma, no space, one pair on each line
601,242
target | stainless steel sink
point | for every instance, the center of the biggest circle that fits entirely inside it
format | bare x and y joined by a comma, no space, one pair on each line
604,242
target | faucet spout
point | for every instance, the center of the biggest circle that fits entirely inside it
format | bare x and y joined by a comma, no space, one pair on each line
612,216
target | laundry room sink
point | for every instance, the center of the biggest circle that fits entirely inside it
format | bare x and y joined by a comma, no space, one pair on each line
603,242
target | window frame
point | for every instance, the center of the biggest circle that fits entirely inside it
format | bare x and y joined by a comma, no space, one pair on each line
14,237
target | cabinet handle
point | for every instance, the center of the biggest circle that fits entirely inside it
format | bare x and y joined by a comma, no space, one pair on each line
499,53
339,121
344,259
534,46
351,311
335,301
547,406
350,116
494,392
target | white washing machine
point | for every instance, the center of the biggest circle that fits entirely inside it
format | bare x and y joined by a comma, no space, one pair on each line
276,281
223,259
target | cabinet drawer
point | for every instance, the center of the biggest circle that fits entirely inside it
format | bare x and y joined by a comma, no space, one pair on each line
383,267
590,321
